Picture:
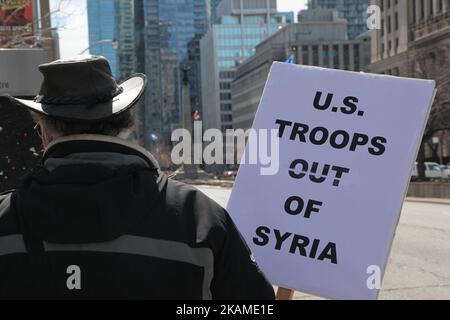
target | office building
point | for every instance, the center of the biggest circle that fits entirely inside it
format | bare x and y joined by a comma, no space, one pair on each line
414,41
164,30
124,35
354,11
229,42
102,25
320,43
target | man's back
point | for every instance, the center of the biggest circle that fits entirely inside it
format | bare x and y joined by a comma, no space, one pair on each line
114,227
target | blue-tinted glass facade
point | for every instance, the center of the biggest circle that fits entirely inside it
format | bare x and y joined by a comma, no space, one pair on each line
125,36
101,24
234,39
165,30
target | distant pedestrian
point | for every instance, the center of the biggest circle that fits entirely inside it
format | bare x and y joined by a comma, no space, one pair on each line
99,219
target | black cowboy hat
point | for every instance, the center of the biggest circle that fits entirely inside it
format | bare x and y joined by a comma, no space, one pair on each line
82,88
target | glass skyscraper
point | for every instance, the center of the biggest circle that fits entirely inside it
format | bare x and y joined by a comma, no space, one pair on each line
125,36
354,11
164,32
230,41
101,24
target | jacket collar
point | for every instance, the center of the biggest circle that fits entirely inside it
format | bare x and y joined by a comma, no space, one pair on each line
85,143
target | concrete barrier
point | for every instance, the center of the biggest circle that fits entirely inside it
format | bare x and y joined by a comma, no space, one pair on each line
429,190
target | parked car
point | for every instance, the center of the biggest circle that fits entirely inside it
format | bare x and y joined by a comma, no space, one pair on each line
446,170
432,171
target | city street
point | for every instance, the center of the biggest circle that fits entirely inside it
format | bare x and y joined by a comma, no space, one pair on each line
418,267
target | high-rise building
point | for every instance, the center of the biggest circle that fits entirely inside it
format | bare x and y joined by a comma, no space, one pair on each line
125,37
408,28
354,11
321,43
102,26
164,31
240,27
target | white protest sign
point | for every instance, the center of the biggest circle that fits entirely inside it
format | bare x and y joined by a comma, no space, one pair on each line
324,223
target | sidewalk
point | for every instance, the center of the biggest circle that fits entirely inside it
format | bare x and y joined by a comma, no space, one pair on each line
428,200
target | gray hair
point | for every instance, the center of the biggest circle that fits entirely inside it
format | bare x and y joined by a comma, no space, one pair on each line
110,127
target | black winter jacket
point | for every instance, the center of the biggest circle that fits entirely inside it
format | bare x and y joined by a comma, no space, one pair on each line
100,221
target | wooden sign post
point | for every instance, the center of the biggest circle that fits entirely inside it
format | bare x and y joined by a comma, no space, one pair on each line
285,294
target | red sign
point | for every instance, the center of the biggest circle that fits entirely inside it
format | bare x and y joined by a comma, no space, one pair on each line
16,22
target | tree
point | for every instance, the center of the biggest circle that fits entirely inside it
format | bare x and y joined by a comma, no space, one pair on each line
433,62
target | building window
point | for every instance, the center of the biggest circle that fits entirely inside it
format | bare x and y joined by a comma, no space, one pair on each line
225,85
226,118
346,57
389,26
336,56
396,21
254,19
225,96
227,74
230,20
227,64
325,56
315,50
422,9
305,55
225,107
357,60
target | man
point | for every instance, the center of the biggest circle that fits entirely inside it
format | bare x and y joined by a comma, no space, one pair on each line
99,219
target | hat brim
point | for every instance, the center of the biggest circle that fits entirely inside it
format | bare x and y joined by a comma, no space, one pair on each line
132,90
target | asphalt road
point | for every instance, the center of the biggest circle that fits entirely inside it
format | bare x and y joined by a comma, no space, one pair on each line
419,265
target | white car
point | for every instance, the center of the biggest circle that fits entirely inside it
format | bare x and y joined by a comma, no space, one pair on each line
446,170
432,171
